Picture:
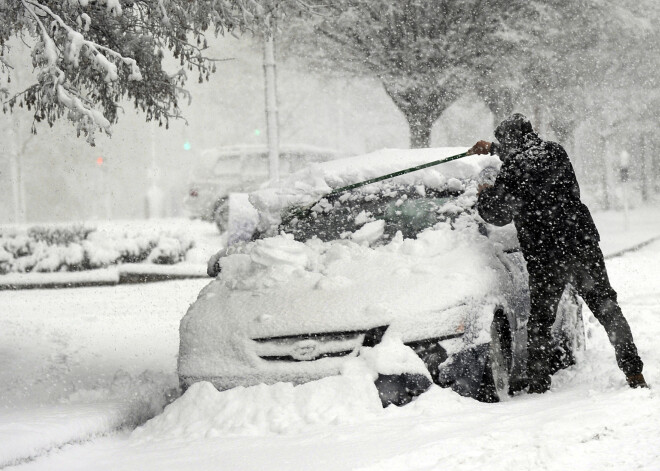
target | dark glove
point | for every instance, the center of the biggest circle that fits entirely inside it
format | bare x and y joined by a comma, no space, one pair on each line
481,147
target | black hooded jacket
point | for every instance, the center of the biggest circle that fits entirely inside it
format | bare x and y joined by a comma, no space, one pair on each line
537,189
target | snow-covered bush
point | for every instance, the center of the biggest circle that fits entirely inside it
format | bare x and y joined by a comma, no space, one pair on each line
60,235
76,248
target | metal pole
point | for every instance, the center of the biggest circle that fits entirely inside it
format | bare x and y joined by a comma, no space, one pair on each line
271,103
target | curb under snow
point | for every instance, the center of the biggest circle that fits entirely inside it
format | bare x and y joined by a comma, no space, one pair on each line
123,274
634,248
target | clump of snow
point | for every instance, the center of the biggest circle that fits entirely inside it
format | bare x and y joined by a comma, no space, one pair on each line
242,219
363,218
370,232
389,357
265,263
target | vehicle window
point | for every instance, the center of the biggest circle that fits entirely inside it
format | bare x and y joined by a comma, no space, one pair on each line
402,208
412,216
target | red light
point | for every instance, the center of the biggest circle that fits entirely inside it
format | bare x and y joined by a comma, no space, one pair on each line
99,161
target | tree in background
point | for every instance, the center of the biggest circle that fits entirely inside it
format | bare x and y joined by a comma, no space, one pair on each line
426,53
90,55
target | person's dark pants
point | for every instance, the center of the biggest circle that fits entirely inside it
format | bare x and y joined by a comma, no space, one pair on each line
585,270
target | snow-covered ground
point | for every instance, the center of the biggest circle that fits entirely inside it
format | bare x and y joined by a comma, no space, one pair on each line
643,224
97,361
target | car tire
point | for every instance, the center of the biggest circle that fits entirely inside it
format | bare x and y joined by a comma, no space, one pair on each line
481,372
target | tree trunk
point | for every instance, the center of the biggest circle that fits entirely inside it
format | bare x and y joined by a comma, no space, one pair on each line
538,119
500,104
604,176
421,105
420,132
644,170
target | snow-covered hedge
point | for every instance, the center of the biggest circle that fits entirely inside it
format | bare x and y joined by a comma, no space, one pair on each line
80,247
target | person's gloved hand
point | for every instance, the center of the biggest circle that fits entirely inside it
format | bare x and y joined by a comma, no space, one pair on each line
481,147
482,187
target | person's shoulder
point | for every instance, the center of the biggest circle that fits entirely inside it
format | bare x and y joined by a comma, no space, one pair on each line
554,148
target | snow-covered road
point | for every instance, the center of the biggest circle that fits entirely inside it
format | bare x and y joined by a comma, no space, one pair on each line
589,420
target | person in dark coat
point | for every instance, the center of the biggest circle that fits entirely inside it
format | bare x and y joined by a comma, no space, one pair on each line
536,188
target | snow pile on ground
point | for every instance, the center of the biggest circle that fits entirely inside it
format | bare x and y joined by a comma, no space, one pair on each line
204,412
308,185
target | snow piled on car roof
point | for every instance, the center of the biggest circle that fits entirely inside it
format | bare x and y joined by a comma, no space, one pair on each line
308,185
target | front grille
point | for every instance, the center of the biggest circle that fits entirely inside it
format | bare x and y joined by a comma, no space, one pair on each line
289,358
315,346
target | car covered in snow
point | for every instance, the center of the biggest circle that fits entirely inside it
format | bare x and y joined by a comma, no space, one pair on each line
327,278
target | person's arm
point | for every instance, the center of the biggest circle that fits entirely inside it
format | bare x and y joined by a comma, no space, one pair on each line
495,203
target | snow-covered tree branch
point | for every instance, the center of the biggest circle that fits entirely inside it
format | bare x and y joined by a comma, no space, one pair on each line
88,55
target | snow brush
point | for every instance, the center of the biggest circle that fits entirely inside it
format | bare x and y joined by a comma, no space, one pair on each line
305,211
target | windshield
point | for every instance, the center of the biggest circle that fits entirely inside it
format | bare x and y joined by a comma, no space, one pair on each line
404,208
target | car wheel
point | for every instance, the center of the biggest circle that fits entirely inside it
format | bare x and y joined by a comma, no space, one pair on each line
221,215
481,372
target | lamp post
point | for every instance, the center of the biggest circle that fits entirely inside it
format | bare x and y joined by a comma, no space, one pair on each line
270,79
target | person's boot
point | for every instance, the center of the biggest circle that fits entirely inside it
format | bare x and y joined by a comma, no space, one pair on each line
517,384
637,381
538,385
